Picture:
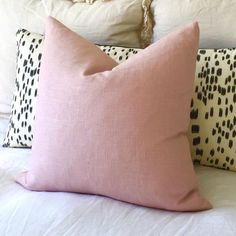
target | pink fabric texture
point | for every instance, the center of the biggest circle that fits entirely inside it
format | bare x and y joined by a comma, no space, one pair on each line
116,130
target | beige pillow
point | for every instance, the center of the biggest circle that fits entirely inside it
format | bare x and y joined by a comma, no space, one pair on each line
115,22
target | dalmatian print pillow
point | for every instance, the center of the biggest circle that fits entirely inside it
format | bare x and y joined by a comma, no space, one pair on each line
29,53
28,58
212,131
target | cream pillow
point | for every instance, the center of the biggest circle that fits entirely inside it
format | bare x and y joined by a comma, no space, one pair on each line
216,20
113,22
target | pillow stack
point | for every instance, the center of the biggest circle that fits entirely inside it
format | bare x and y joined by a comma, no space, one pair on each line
116,130
210,133
117,121
218,152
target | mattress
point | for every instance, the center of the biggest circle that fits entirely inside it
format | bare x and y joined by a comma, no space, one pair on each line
27,213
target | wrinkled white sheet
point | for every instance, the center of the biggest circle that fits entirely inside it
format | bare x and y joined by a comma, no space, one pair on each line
54,214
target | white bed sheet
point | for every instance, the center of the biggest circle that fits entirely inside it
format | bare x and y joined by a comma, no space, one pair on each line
29,213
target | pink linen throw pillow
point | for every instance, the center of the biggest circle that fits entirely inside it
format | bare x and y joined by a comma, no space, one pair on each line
116,130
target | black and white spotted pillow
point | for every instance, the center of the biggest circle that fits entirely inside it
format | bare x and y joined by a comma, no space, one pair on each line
29,53
212,131
28,58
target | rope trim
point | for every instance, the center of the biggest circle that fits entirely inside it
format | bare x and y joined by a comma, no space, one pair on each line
147,30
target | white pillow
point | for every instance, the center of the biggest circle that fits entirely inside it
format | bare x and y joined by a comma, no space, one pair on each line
216,20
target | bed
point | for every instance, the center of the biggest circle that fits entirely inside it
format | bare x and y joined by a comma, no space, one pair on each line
29,213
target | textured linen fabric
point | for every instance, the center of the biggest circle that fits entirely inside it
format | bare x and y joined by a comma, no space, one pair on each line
124,132
216,20
116,22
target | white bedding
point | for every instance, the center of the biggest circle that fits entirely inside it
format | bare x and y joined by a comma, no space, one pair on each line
54,214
